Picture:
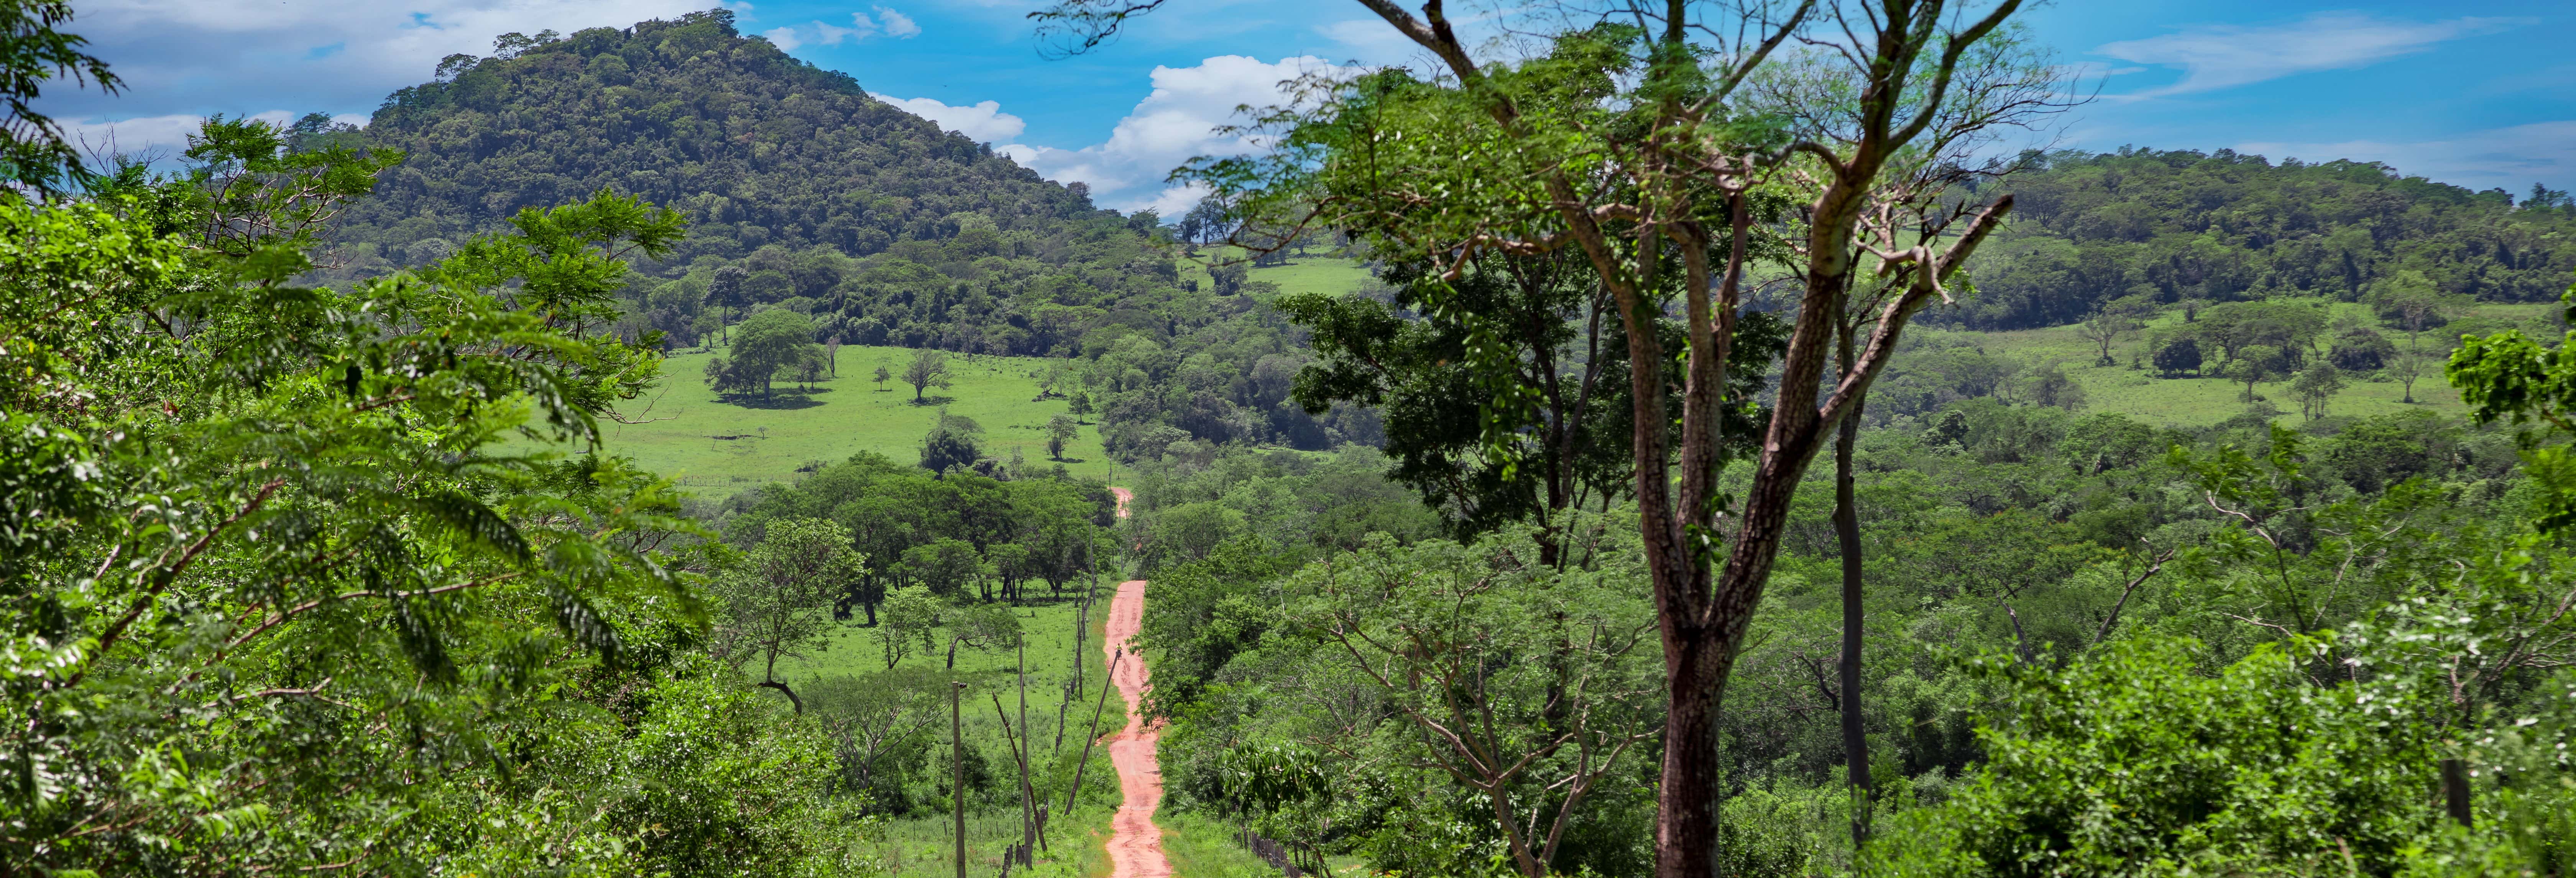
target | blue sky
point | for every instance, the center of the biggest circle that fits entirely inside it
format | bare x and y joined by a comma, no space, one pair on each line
2482,94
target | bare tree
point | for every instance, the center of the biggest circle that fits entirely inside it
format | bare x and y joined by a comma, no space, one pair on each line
2103,329
1644,171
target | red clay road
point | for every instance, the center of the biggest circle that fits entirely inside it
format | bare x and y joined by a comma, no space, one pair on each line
1135,843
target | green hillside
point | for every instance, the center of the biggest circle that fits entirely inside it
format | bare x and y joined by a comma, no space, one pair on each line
692,436
2169,226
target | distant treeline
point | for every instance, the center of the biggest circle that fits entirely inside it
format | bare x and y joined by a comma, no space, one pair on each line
2165,227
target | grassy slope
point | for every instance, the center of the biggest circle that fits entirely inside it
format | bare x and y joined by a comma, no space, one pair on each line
844,416
2202,401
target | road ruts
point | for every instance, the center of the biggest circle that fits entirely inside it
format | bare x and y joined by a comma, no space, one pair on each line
1135,843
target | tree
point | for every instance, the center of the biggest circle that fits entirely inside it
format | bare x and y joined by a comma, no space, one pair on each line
882,376
984,627
929,369
1205,222
33,152
1441,636
778,601
811,366
2253,364
2178,355
944,566
773,341
725,290
1060,430
2104,328
911,613
2315,386
1229,277
294,535
951,443
2408,366
1485,157
1081,404
1190,531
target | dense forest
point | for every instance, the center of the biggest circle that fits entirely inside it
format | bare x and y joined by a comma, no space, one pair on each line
2166,227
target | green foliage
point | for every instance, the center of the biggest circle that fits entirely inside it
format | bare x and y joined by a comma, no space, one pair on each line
1489,686
765,347
777,601
2509,376
699,115
280,598
951,445
2176,226
929,368
1060,430
911,613
874,224
2252,766
940,531
1303,504
33,51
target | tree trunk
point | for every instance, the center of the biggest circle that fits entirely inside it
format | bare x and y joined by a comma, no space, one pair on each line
1847,532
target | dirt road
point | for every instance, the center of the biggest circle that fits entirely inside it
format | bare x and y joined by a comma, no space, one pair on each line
1135,843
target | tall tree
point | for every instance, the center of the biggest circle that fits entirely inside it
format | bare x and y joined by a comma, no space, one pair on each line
1639,147
1060,430
777,603
724,290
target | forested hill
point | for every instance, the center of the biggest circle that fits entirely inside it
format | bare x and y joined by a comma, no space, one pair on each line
759,148
2173,226
809,194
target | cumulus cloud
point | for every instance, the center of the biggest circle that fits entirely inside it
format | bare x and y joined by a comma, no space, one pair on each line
1173,124
2510,158
2224,56
182,57
163,138
983,121
896,24
816,33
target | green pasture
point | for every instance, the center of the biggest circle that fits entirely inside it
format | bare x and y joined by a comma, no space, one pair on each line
1314,274
688,434
2188,401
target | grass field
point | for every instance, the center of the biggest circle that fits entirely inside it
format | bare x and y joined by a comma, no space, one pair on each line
924,846
705,442
1314,274
2190,402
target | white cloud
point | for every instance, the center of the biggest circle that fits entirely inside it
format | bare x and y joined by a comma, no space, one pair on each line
2512,158
896,24
817,33
2224,56
983,121
1173,124
160,137
189,56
